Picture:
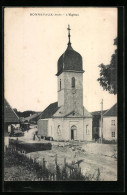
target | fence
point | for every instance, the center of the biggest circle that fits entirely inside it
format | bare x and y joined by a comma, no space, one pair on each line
68,172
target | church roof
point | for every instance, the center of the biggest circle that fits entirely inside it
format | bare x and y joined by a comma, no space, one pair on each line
49,111
86,113
9,114
112,111
75,114
52,109
70,60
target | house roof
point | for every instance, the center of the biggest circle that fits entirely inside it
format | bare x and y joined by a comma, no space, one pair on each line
98,113
9,114
32,117
49,111
112,111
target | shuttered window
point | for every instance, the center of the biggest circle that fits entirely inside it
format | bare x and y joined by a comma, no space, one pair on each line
112,122
113,134
73,82
60,84
87,130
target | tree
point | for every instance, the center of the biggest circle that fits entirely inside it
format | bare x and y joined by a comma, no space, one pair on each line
108,74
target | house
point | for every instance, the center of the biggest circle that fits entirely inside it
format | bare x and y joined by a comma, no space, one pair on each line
96,123
10,119
110,123
67,119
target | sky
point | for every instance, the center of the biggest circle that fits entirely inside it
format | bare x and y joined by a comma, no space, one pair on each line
35,38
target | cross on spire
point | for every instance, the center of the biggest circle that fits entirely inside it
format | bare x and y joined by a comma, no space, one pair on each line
69,43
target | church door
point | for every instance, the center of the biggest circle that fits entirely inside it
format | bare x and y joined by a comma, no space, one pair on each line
73,132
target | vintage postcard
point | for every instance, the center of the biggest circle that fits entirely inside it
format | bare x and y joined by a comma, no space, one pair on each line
60,94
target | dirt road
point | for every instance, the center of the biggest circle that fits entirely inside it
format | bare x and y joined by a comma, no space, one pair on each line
89,162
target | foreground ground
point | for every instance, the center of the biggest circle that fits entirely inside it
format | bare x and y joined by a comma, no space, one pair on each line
89,155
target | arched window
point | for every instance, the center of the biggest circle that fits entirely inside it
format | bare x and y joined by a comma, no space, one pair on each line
60,84
73,82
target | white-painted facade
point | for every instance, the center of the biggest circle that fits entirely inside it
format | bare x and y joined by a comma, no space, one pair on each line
110,128
61,128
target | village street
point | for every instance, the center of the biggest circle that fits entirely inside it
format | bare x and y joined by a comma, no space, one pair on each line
89,155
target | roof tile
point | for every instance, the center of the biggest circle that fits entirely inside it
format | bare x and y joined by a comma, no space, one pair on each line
112,111
9,114
49,111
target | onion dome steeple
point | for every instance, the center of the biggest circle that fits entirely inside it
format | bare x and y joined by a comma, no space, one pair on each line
70,60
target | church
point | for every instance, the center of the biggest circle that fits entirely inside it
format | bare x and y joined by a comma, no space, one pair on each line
67,119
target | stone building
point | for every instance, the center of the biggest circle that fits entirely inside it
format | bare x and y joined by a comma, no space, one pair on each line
67,119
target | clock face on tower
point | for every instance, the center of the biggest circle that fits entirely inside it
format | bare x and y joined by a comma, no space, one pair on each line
73,91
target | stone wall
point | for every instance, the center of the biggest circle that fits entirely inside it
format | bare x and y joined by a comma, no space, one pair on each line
66,98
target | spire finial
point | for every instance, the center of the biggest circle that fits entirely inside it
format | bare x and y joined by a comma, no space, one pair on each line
69,43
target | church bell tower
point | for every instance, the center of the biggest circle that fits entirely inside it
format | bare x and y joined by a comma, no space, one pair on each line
70,80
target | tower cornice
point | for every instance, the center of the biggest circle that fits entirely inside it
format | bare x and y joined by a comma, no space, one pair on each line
81,71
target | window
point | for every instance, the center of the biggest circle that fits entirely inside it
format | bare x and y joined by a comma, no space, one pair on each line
58,130
73,132
73,82
51,130
113,134
9,129
60,84
112,122
87,130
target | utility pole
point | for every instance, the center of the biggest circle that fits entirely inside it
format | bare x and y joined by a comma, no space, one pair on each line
101,120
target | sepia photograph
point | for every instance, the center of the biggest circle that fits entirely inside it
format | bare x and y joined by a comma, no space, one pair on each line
60,94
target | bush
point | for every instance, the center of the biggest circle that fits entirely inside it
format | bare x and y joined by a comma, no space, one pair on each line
30,147
104,141
16,159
